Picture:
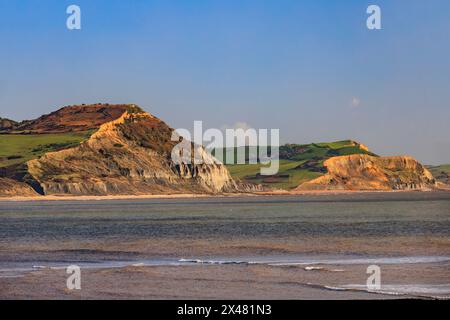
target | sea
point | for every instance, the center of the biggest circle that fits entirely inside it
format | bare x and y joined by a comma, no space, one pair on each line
405,234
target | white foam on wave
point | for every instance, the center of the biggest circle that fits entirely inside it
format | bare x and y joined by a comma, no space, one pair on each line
20,269
42,267
435,291
309,263
140,264
200,261
313,268
313,263
356,261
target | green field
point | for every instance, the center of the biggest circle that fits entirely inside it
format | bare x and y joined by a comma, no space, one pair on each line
19,148
442,168
298,163
288,176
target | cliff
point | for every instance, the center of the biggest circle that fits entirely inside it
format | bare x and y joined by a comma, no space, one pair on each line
105,149
365,172
130,153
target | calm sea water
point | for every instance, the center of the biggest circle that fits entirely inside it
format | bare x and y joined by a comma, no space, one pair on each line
337,229
350,215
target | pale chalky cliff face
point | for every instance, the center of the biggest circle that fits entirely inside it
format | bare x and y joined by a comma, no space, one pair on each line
127,151
128,155
365,172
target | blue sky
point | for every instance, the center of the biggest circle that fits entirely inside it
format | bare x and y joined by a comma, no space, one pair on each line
310,68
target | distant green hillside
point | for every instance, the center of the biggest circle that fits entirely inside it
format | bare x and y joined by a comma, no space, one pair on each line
442,168
298,163
19,148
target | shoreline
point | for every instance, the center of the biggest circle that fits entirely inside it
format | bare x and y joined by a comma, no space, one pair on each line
207,196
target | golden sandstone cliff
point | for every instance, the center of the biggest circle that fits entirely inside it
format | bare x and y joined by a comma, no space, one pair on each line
130,155
128,152
365,172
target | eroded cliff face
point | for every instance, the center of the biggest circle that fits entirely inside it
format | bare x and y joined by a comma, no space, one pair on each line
129,155
10,188
364,172
126,151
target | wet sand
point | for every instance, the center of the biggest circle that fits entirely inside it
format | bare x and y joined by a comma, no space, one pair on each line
229,281
219,282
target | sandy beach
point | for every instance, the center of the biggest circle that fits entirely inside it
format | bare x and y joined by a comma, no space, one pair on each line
311,193
109,197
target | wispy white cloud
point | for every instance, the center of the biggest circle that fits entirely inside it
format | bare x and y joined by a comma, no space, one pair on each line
244,126
356,102
237,125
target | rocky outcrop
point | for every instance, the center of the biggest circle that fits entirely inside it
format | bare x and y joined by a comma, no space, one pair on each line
361,146
10,187
129,155
126,151
365,172
6,124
